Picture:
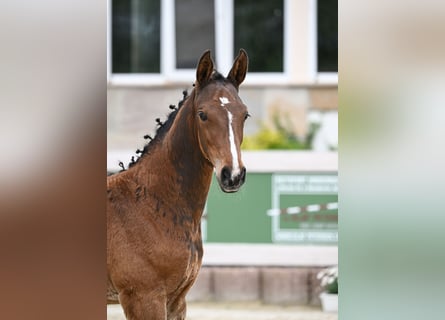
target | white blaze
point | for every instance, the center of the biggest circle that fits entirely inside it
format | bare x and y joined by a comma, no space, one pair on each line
235,163
223,101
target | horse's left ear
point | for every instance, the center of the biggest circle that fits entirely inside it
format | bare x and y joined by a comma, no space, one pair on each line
204,69
239,68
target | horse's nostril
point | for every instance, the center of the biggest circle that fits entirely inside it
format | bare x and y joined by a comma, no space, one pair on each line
226,173
243,174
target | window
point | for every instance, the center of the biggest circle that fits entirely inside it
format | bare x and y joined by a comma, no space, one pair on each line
160,41
327,36
195,31
259,30
136,36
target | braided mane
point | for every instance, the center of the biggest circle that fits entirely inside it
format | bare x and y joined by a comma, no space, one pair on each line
164,127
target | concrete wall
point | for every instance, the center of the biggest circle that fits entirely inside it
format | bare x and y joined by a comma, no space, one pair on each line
132,110
270,273
270,285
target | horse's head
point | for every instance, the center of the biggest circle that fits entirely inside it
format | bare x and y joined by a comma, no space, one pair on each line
219,118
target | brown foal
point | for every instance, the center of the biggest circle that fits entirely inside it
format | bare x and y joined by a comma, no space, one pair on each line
154,209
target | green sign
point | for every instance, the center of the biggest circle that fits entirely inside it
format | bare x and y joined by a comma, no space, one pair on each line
303,207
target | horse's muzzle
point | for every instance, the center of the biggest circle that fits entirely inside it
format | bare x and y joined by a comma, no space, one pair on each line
230,183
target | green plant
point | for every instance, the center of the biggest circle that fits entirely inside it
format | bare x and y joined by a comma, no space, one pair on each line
279,136
329,279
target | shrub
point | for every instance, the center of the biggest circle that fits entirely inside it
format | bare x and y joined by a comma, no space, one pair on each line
279,137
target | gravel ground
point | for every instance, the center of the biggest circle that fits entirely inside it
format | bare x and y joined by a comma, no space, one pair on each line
240,311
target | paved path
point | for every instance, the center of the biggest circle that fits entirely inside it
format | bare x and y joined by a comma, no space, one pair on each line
240,311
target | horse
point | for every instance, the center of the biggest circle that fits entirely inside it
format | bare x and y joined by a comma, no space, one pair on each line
154,208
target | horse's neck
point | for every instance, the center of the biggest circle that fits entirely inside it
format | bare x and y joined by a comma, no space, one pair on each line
178,160
185,153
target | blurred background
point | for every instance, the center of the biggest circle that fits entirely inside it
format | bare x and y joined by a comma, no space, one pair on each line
291,87
268,241
53,138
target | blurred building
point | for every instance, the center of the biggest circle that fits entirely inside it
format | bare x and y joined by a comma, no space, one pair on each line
154,46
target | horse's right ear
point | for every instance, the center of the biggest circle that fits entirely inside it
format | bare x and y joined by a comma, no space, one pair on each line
204,69
239,68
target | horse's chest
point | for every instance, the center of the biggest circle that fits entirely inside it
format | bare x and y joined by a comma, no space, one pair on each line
190,263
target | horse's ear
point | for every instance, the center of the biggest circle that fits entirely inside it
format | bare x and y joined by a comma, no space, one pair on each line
239,68
204,69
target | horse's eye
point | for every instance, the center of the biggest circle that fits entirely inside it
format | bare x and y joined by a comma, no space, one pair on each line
202,115
246,116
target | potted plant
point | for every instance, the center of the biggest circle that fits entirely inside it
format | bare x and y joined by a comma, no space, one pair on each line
329,282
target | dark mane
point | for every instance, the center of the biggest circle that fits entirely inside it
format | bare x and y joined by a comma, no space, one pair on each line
163,128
